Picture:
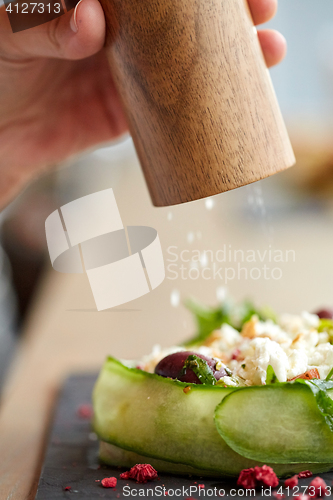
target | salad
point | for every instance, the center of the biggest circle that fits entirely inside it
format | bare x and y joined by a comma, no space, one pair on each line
251,388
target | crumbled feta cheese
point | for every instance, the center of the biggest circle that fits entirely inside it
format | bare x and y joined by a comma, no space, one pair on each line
322,355
272,331
298,363
310,320
229,337
229,381
261,353
323,337
268,328
290,323
306,340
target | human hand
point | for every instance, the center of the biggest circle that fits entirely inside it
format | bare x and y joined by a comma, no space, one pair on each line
57,95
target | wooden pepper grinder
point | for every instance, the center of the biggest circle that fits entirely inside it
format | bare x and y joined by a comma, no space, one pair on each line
198,96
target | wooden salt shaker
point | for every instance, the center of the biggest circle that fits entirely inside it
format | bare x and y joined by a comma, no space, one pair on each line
199,99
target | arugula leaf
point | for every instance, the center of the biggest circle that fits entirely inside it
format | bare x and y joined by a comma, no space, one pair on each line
266,313
271,378
207,319
325,324
248,310
200,368
329,376
324,402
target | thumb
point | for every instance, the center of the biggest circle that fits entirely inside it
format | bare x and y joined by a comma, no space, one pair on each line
75,35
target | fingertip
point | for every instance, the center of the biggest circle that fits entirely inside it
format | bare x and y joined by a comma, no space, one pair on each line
274,46
87,26
262,10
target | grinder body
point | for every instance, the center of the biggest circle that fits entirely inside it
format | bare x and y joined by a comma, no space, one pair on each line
198,97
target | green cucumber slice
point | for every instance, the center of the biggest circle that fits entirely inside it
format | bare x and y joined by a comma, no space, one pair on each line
150,417
279,423
115,456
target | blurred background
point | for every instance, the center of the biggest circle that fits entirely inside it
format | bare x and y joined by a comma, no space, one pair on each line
283,223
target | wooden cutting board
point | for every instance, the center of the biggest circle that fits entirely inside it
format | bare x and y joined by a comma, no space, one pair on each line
71,460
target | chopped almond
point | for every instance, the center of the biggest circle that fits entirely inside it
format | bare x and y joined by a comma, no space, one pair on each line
309,375
249,329
297,338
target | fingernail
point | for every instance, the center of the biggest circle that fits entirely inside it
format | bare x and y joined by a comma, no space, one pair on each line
73,21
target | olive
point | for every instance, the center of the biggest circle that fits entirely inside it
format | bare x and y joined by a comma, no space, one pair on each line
325,313
172,366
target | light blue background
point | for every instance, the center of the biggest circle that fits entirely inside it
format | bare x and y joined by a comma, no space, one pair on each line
304,81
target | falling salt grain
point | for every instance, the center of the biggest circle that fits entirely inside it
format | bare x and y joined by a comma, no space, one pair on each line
209,203
175,298
203,259
221,293
260,201
170,216
190,237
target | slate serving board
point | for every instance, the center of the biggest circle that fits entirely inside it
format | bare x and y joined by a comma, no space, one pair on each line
71,460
